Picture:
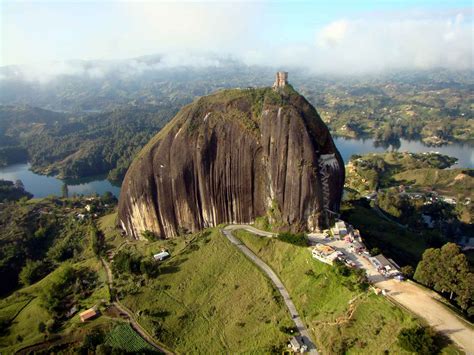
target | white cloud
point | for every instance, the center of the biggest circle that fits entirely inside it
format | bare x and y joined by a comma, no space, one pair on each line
185,33
333,34
368,45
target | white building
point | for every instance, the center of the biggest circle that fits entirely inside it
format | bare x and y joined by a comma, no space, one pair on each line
340,228
325,253
296,344
161,256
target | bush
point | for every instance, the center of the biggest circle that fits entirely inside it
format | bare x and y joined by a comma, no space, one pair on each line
97,241
407,271
125,262
41,327
299,239
375,251
32,272
342,269
150,236
262,223
418,340
92,339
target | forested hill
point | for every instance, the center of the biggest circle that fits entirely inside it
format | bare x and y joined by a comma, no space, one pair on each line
72,146
93,124
18,120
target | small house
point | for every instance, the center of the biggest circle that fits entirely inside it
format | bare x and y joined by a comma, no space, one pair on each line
163,255
325,253
89,314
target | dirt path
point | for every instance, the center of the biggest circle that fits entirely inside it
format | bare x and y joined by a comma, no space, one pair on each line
227,231
129,314
424,304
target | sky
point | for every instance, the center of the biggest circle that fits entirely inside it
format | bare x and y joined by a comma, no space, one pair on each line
324,36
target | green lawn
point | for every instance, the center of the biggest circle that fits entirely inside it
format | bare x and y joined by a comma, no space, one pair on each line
324,301
210,299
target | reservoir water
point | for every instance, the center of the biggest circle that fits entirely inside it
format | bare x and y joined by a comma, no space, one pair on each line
463,152
42,186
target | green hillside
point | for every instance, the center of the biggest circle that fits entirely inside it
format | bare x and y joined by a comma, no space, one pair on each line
341,317
208,298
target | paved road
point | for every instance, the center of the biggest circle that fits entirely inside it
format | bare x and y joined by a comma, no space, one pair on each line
422,302
133,323
271,274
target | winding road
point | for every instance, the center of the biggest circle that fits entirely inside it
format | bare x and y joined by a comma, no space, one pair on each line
227,231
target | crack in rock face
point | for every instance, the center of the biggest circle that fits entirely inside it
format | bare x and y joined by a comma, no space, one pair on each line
232,157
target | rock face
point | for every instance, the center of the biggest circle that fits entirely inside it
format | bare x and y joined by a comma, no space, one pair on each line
232,157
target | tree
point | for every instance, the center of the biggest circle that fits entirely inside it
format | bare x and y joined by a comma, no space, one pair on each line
149,235
418,340
92,339
408,271
148,268
31,272
455,269
447,270
41,327
65,191
108,197
375,251
19,184
53,296
97,240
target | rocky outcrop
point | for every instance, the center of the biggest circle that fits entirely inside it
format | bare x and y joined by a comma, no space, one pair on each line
231,157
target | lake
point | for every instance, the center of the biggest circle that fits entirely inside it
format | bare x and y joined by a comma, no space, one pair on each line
42,186
463,152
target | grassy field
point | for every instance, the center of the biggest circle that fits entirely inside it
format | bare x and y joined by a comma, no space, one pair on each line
340,318
457,183
24,311
209,298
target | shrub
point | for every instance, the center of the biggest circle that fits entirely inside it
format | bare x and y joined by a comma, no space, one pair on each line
149,235
32,272
97,240
92,339
41,327
374,251
299,239
262,223
408,271
418,340
125,262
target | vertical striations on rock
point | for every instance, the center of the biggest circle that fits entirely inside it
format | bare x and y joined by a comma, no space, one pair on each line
231,157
